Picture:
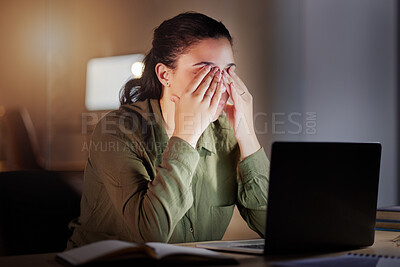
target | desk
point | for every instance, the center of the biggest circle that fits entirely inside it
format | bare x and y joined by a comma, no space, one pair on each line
382,246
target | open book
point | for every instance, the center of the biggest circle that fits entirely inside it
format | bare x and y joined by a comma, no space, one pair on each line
115,250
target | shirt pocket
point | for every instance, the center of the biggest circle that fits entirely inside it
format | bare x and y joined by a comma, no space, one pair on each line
220,218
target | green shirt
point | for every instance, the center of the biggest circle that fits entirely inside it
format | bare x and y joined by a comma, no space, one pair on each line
142,186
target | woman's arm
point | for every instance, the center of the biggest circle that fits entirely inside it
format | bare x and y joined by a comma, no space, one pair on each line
253,169
253,174
150,208
240,113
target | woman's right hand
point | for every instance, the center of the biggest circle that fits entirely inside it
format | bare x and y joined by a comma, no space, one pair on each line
196,107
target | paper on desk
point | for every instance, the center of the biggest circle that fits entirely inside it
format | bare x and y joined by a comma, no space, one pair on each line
396,240
164,250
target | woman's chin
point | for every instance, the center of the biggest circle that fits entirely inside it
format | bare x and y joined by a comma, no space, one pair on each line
219,111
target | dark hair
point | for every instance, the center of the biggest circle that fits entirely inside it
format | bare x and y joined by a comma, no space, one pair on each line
170,40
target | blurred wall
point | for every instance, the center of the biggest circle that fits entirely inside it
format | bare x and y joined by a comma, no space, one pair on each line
336,77
23,59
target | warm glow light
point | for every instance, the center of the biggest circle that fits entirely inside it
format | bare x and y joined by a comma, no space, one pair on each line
106,76
137,69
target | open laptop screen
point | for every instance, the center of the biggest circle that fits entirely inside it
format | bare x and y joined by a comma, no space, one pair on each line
322,196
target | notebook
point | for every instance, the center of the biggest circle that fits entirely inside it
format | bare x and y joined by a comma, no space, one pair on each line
322,196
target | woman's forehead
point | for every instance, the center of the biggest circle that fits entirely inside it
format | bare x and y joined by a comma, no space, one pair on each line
216,52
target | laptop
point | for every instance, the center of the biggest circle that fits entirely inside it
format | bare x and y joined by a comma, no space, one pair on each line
322,197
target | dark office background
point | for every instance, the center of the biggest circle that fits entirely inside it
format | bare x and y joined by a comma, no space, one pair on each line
318,69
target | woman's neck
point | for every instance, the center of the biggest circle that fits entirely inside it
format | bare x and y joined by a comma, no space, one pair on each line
168,114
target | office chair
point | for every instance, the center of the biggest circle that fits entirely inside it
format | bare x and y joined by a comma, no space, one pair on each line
35,208
21,150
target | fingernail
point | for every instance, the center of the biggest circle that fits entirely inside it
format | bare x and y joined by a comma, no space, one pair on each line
207,67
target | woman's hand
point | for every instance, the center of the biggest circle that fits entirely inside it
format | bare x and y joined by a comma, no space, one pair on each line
196,107
240,114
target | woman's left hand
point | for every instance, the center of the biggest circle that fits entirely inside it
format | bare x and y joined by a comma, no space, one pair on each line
240,113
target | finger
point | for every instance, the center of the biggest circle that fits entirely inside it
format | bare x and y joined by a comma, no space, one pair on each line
232,84
235,78
216,97
205,83
233,93
228,79
213,86
226,85
198,79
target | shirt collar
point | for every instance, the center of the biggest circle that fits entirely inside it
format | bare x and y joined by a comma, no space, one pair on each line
206,140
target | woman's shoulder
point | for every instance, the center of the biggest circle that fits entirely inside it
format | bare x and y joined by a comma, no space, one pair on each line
140,108
128,120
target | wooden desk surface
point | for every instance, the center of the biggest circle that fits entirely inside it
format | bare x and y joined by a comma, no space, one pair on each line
382,246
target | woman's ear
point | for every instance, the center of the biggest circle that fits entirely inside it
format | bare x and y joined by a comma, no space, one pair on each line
163,74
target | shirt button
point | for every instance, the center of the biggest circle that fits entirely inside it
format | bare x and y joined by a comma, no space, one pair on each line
191,230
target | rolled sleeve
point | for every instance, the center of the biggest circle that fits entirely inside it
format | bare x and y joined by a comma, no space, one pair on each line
253,173
256,163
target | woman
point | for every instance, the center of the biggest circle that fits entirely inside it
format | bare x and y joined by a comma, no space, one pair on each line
169,166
